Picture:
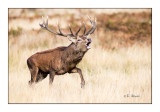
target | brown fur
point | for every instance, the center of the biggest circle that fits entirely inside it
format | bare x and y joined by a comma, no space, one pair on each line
56,61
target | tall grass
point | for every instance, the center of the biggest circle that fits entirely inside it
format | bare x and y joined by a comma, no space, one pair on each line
109,75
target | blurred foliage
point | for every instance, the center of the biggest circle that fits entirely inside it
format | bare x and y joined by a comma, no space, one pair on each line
15,32
113,31
124,28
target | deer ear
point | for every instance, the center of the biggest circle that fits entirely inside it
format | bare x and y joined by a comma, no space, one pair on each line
74,40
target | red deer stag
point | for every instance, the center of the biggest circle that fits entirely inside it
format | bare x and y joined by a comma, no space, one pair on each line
60,60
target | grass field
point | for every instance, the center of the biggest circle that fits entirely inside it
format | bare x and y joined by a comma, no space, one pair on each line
115,67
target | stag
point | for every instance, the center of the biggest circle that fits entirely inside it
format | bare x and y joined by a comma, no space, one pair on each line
60,60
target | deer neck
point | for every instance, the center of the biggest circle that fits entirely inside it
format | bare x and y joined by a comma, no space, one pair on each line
73,54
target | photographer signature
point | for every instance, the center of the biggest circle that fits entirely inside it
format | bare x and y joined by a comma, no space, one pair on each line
131,95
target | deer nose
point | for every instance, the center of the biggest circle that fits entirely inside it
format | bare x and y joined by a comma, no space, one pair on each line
89,40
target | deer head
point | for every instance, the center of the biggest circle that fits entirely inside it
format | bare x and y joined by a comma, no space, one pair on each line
81,42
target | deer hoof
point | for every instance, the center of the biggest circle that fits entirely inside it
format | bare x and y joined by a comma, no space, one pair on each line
30,83
82,84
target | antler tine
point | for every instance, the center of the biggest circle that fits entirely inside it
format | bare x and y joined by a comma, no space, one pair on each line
78,30
47,22
93,26
71,31
59,27
42,25
95,20
89,18
84,28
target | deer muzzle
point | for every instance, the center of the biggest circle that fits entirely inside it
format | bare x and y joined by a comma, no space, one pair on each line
88,43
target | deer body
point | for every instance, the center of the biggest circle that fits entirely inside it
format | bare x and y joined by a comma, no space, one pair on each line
60,60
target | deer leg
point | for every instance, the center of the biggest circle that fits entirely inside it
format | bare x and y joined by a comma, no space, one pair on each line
34,73
51,77
78,70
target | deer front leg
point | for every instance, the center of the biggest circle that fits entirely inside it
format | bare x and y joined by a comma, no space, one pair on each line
78,70
51,77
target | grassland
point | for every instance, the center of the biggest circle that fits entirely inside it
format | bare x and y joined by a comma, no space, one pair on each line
119,62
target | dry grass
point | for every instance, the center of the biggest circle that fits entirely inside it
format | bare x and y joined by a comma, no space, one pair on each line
109,77
110,74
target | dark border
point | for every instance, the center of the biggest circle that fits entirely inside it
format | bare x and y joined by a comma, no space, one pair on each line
79,8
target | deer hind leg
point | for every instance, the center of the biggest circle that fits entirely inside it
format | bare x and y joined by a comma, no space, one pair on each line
77,70
33,70
34,73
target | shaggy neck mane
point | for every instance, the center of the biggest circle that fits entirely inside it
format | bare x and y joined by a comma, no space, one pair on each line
71,54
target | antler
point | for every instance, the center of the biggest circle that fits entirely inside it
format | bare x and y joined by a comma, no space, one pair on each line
92,29
44,25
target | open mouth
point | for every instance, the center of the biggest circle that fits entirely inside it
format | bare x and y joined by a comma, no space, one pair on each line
88,45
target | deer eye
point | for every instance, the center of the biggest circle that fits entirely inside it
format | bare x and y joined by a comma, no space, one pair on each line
79,40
